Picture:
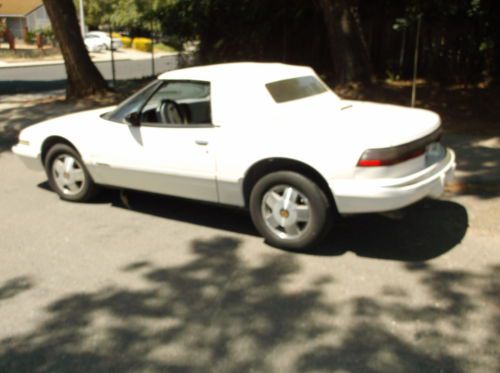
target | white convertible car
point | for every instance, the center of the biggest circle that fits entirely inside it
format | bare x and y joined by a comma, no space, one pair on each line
269,137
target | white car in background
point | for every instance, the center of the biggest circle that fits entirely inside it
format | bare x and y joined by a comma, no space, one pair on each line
105,39
93,43
272,138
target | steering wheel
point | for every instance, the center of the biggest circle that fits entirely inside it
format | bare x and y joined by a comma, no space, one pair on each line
170,112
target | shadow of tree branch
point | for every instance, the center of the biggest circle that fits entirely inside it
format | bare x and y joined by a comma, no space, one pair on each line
420,232
217,312
15,286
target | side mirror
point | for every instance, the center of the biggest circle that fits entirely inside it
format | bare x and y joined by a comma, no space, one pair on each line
134,119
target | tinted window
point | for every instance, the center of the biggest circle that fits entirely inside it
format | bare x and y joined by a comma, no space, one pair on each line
179,103
295,88
132,104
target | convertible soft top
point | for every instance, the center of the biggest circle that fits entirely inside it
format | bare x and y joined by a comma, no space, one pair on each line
240,72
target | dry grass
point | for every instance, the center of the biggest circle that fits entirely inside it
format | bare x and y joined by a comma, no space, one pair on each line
30,54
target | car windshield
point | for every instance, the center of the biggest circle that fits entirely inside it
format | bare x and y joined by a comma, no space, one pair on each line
295,88
132,104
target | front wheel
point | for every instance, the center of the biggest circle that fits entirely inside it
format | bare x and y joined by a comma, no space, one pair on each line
290,210
67,174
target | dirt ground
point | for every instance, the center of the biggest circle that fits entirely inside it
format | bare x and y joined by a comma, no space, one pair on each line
463,109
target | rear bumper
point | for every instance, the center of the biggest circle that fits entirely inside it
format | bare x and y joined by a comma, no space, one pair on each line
364,196
28,156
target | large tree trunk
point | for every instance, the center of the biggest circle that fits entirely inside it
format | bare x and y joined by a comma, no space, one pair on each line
348,48
83,77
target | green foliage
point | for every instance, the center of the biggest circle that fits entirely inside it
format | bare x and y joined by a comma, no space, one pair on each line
165,48
123,13
29,37
47,33
459,42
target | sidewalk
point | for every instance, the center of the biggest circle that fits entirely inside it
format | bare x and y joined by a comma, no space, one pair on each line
478,155
123,54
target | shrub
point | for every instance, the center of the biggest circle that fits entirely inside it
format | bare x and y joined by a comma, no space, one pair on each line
47,33
29,37
127,42
142,44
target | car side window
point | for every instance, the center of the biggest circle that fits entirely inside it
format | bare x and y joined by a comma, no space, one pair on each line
178,103
132,104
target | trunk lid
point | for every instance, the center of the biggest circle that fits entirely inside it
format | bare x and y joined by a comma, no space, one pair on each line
382,125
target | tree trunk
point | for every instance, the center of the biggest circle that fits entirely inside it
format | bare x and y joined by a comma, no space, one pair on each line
83,77
348,48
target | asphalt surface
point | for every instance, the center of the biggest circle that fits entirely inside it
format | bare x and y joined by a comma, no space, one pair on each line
141,282
47,77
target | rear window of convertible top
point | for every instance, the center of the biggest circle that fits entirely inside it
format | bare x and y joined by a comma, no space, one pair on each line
295,88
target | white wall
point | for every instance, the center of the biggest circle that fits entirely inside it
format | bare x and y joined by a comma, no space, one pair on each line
38,19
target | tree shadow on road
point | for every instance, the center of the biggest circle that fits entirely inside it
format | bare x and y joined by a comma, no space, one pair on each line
14,287
423,231
478,161
420,232
216,312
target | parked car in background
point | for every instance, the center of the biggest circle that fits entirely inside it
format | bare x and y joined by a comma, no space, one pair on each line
93,43
115,43
271,138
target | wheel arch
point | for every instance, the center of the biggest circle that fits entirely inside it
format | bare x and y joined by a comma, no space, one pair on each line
49,142
270,165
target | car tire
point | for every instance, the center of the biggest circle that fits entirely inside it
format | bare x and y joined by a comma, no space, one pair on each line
67,174
290,210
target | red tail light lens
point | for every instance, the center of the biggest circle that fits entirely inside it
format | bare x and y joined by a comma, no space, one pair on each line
370,163
380,157
397,154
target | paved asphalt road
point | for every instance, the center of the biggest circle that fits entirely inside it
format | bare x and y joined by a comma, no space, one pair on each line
34,78
172,285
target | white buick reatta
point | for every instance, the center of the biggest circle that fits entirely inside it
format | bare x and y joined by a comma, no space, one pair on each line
269,137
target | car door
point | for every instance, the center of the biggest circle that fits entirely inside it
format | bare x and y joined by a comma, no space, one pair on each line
117,156
178,139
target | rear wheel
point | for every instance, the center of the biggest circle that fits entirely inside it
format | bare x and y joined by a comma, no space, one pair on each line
290,210
67,174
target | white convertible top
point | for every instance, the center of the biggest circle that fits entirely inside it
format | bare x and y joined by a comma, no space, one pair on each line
255,72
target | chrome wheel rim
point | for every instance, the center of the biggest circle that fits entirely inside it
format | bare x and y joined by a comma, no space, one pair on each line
68,174
286,211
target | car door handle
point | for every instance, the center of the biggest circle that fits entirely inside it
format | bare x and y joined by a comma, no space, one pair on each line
201,142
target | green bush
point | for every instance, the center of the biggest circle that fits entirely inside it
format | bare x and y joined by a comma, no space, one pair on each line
142,44
29,37
47,33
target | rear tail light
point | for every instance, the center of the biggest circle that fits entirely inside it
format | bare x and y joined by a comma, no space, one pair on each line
386,157
397,154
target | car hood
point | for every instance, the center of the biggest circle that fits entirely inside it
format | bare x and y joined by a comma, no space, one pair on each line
60,125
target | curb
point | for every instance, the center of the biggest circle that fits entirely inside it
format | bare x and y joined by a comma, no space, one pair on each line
20,65
42,64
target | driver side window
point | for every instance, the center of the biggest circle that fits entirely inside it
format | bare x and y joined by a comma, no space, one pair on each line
178,103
